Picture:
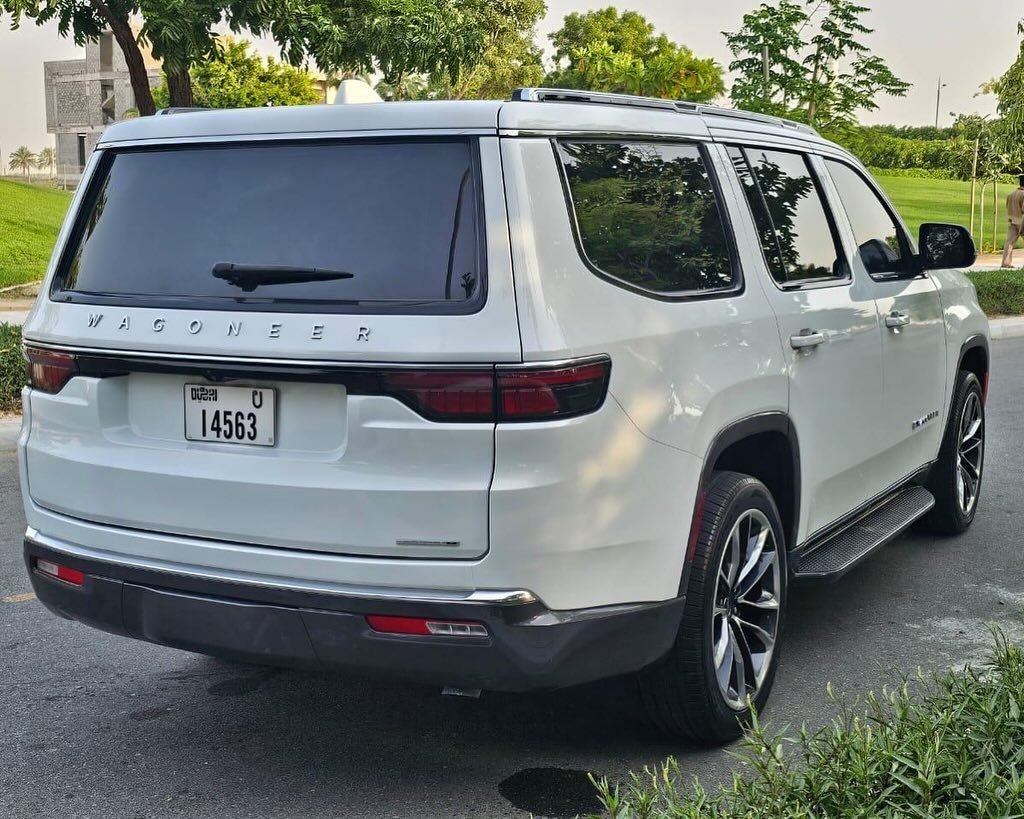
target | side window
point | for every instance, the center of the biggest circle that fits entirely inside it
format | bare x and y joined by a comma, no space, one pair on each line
880,241
647,215
798,239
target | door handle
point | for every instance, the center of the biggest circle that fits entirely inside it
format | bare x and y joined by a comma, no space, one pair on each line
807,339
895,320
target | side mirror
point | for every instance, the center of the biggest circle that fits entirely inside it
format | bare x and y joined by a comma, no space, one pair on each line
945,246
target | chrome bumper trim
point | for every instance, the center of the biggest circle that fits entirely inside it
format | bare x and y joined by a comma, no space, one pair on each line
490,597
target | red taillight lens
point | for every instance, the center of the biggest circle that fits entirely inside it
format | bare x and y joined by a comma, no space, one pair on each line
534,393
444,395
64,573
49,371
541,394
424,627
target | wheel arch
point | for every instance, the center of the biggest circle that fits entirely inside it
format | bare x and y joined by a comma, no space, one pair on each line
974,357
764,446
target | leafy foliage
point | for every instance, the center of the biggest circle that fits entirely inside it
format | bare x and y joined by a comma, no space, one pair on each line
948,747
46,160
1000,292
12,368
1007,135
607,51
237,78
22,159
820,70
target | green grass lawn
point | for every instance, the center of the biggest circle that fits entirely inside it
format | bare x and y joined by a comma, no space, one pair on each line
30,217
945,200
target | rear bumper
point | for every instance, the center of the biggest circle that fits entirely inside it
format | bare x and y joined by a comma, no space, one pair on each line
528,646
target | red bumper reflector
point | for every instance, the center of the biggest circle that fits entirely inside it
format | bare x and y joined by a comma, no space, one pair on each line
424,627
64,573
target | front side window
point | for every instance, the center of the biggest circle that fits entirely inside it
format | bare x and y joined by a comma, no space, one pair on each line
343,226
879,239
789,213
648,215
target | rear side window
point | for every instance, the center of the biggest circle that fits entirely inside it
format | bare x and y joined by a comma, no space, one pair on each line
880,242
333,227
799,241
647,216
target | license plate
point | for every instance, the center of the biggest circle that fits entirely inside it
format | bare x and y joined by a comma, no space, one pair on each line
230,415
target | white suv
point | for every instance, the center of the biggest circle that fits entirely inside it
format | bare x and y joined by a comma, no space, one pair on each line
492,395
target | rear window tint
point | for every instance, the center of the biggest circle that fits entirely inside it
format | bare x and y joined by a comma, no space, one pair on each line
402,217
647,215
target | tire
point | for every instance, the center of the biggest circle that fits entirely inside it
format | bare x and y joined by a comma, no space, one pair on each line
955,469
682,693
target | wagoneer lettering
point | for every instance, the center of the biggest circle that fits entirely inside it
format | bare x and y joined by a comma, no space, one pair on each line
541,391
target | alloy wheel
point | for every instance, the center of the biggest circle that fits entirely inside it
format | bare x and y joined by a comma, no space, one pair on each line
970,453
745,620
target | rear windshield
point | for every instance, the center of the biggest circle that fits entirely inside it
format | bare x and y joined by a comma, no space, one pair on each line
335,227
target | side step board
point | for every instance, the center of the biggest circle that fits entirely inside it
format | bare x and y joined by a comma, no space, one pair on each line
842,551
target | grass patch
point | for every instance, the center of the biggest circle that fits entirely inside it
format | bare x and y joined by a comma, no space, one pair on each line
30,217
945,200
949,747
1000,292
12,368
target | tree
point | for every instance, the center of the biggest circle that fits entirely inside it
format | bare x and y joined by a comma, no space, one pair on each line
22,159
236,78
47,159
1008,132
510,57
605,51
819,70
85,20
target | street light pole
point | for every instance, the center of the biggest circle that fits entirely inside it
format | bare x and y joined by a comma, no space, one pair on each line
938,99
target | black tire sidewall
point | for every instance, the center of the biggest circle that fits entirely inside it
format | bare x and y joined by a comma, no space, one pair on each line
967,383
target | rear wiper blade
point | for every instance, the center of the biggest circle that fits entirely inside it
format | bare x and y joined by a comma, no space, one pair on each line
250,276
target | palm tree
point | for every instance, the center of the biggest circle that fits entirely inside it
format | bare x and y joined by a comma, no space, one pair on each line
47,158
23,159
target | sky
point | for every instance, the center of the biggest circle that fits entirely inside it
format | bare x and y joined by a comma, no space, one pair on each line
965,41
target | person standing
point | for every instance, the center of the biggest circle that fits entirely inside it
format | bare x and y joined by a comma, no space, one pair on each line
1015,215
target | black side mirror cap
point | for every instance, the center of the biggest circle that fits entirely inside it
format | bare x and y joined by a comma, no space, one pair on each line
945,246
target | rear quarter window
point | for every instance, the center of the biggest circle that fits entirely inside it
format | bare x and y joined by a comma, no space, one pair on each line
343,226
647,216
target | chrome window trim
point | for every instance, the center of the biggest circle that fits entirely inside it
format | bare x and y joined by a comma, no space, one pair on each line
491,597
291,136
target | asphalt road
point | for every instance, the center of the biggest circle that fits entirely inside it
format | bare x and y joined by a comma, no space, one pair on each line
93,725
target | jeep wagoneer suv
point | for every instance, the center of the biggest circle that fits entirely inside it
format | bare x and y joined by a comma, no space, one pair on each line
491,395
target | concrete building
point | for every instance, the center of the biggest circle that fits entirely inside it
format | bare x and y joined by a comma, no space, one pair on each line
84,96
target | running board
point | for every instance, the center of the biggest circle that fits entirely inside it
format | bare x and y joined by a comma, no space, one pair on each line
853,543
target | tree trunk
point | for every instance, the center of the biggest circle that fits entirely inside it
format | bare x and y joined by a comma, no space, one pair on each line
179,87
132,56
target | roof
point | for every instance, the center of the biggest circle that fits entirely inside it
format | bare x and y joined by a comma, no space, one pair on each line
543,111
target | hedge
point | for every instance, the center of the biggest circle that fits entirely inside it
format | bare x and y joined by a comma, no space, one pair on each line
12,369
951,746
1000,292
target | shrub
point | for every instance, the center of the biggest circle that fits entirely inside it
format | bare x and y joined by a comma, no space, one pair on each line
12,369
949,747
1000,292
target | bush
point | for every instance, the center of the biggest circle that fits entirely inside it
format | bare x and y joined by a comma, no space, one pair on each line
913,173
1000,292
12,369
949,747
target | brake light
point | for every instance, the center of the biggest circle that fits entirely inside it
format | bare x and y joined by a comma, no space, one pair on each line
49,371
59,572
534,393
540,394
423,627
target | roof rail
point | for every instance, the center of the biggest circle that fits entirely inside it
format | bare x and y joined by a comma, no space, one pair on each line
181,109
680,106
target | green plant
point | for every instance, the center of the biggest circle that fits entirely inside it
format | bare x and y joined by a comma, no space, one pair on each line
22,159
1000,292
949,746
12,368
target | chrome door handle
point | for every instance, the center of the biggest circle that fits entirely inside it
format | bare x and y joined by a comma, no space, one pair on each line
895,320
806,339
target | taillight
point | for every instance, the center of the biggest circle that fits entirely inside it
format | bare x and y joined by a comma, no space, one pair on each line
543,393
502,394
49,371
444,395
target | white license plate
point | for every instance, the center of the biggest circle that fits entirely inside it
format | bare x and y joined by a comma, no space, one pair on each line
230,415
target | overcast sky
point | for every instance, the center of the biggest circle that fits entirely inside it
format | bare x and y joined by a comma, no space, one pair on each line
966,41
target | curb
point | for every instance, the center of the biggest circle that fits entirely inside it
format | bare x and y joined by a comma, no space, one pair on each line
1012,327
